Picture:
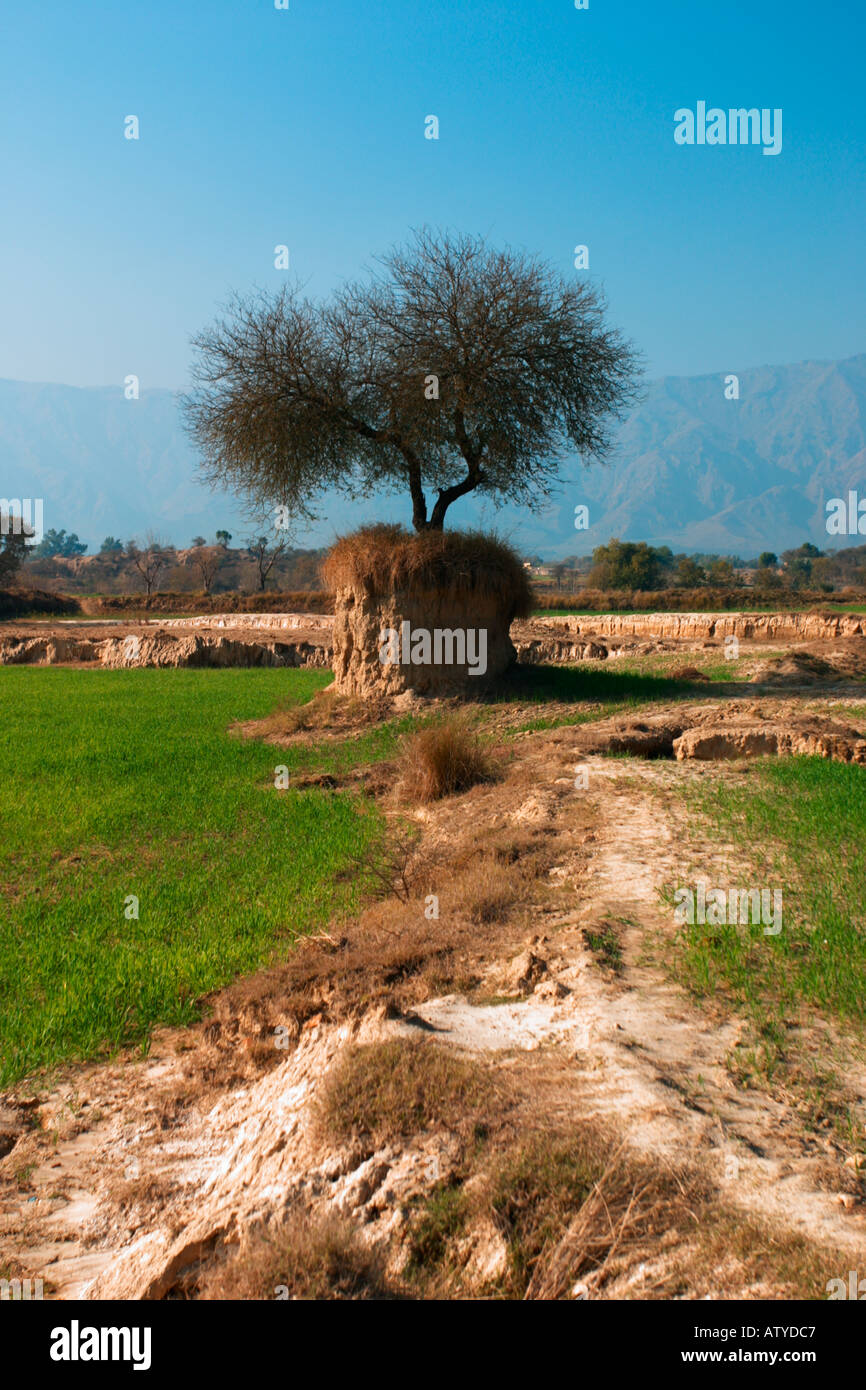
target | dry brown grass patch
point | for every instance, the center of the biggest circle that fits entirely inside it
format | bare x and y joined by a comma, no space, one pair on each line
443,759
144,1194
393,1089
327,715
734,1255
568,1202
581,1214
303,1258
488,893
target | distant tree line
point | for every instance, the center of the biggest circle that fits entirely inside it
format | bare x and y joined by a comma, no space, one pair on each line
268,559
263,560
635,565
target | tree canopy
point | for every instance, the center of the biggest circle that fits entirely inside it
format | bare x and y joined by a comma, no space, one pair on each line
629,565
59,543
13,544
453,368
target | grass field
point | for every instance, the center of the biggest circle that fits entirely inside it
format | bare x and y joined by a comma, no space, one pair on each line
128,783
801,825
124,783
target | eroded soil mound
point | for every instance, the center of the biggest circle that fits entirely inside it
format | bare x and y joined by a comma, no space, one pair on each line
700,627
739,729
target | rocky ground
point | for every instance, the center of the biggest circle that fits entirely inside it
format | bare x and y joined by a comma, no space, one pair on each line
544,975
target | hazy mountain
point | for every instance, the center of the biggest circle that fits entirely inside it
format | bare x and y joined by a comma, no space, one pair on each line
690,468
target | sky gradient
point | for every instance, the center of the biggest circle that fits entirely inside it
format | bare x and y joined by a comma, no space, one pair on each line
306,127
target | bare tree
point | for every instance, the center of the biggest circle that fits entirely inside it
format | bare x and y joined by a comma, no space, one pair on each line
265,552
455,368
207,560
150,560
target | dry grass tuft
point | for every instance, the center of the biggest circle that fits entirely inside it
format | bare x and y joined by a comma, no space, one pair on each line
397,1088
304,1258
626,1204
443,759
572,1207
384,560
326,713
489,892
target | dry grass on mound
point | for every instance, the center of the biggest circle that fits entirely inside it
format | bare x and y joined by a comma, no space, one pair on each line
388,559
394,1089
328,715
15,603
311,1259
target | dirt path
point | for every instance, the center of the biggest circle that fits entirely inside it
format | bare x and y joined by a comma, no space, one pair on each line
640,1051
664,1070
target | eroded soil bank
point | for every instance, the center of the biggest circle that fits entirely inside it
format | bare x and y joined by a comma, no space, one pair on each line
304,639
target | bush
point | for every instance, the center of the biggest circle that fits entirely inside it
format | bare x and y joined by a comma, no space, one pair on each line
443,759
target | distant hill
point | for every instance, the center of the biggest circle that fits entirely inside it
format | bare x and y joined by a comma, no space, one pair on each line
690,469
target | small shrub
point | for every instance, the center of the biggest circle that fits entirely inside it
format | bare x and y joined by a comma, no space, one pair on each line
443,759
393,866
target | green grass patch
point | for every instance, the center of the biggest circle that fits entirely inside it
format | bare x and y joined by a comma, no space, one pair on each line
604,942
122,783
440,1221
799,824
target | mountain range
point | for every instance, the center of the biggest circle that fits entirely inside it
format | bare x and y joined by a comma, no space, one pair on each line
691,467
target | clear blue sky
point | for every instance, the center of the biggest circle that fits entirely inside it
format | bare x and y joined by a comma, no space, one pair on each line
306,127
